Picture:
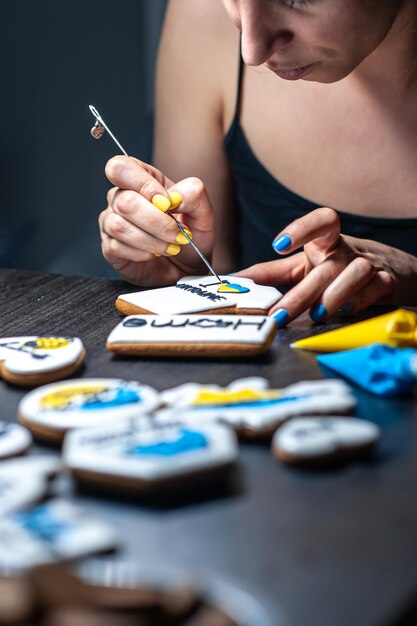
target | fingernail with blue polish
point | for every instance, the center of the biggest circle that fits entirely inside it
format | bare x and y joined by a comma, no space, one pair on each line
318,313
281,318
281,243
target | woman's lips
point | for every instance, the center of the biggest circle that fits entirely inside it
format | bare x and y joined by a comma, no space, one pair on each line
294,73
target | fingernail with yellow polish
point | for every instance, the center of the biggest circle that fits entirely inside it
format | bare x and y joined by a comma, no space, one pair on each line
161,202
176,199
173,249
181,238
156,254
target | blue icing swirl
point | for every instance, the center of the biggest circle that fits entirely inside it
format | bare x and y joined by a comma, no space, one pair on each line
42,523
111,398
188,441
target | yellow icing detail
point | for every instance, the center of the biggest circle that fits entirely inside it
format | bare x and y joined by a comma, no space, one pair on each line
398,329
51,343
223,396
62,397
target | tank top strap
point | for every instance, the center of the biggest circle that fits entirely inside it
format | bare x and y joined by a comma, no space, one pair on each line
238,102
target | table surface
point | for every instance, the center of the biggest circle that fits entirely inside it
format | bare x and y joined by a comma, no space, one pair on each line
314,547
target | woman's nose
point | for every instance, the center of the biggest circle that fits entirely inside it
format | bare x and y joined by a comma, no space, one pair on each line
262,36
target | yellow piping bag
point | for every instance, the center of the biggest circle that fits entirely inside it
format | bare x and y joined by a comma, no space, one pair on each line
398,329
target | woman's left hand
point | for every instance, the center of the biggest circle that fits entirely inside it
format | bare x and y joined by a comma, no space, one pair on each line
334,273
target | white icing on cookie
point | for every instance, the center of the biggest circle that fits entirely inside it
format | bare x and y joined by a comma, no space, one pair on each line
84,402
35,354
19,490
192,329
193,294
134,449
310,437
249,404
14,439
57,530
44,465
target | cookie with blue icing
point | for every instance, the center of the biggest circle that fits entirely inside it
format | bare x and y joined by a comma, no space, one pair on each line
55,531
307,440
14,440
37,360
250,407
202,294
49,411
135,453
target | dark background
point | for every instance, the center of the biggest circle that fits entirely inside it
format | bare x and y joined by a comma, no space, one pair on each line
56,59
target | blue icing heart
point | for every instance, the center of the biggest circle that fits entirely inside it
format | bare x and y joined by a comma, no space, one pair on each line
188,441
232,288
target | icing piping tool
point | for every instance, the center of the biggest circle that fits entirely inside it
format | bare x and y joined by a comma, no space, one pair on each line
97,132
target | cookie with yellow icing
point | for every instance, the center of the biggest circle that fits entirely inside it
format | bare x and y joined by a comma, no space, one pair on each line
36,360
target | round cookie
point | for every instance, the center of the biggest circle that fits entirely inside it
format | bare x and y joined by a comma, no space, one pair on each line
307,440
36,360
19,490
51,410
250,407
134,455
14,440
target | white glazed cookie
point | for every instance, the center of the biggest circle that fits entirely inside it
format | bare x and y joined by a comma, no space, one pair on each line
57,530
14,440
312,439
202,294
135,454
189,335
250,407
38,360
46,466
19,490
51,410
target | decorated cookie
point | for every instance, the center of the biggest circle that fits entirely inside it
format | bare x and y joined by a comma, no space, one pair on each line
18,490
314,439
51,410
380,369
398,329
250,407
57,530
189,335
133,454
14,440
202,294
46,466
35,361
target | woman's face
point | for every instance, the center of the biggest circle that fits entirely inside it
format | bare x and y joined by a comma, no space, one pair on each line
319,40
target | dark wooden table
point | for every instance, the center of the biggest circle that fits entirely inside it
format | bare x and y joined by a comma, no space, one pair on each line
316,548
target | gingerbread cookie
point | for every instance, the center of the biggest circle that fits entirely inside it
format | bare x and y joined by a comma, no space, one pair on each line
14,440
57,530
202,294
317,439
250,407
135,454
19,490
51,410
189,335
32,361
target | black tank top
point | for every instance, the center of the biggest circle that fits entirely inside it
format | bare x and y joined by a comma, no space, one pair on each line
265,206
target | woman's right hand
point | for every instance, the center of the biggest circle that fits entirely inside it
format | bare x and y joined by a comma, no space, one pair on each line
138,239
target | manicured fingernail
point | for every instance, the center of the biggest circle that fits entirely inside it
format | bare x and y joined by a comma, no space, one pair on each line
181,238
161,202
176,199
318,313
281,243
281,317
173,249
345,309
157,254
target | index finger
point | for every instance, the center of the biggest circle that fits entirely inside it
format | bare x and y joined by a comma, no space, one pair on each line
131,174
321,225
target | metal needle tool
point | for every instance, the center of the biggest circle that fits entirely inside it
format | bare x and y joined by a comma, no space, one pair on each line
102,123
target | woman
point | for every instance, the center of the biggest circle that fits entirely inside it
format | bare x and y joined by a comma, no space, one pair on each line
325,110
